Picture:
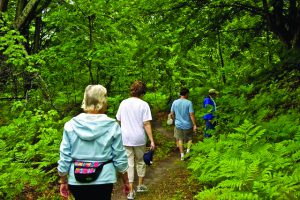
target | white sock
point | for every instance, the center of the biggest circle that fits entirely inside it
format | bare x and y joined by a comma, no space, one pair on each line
182,154
188,151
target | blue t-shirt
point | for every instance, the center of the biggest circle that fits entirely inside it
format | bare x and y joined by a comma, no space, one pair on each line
182,109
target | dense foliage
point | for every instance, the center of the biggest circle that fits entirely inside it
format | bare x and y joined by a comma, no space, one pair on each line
249,51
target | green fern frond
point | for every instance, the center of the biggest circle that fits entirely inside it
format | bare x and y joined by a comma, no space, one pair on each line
208,194
238,195
256,134
252,171
296,156
235,184
245,127
237,137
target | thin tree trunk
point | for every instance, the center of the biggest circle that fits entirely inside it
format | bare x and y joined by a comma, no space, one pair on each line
221,58
90,18
3,5
37,34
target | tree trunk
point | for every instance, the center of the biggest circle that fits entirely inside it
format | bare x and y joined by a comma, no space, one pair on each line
23,12
284,21
91,20
3,5
221,58
19,8
37,35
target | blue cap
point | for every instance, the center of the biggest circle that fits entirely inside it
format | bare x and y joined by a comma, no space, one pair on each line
148,156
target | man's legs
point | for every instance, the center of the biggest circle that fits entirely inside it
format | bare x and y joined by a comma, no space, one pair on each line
188,135
177,145
176,140
208,126
178,134
189,144
180,145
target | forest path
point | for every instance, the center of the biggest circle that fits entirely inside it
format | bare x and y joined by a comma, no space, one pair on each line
166,179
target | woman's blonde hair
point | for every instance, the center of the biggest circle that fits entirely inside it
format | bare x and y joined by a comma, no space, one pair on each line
94,98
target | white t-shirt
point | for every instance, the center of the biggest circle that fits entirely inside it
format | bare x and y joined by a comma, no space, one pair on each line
132,114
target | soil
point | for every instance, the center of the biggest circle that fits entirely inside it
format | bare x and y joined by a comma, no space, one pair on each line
166,179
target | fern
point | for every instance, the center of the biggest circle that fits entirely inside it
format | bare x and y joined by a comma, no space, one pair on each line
242,165
30,152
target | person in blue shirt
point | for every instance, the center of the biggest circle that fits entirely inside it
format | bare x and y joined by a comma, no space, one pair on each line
92,137
182,113
210,108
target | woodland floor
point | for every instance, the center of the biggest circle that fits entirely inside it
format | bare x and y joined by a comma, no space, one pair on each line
166,179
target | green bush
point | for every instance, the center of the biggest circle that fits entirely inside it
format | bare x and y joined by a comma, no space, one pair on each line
244,165
29,153
157,102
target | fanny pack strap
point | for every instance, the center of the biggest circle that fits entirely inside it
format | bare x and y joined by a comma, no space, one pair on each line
109,161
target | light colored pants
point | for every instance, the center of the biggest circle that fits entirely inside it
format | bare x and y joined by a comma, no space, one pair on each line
135,156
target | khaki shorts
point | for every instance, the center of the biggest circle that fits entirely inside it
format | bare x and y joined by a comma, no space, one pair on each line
135,161
181,134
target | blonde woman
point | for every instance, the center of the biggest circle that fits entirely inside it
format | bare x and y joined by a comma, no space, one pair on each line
91,139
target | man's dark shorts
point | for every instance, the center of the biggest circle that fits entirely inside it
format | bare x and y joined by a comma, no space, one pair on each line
183,134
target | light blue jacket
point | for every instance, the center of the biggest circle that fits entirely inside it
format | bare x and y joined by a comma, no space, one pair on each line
92,137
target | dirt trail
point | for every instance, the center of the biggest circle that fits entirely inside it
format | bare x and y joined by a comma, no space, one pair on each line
166,179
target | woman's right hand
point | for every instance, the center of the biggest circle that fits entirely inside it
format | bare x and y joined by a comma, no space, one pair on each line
126,189
64,190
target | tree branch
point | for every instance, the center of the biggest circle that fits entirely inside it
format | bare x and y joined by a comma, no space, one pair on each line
245,7
20,21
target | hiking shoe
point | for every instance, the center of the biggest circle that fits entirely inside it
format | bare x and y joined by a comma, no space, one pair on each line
182,156
131,195
142,188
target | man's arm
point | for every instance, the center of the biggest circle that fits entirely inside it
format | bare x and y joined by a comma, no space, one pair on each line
172,115
148,129
192,115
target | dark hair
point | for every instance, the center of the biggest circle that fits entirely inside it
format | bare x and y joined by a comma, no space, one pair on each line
184,91
137,89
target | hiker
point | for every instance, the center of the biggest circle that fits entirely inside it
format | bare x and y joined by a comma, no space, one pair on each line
89,140
134,115
182,113
210,108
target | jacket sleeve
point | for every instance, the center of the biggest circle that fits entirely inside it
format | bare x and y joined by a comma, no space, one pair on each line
208,109
65,159
119,154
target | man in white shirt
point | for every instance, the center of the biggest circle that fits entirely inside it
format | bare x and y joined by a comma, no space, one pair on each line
135,116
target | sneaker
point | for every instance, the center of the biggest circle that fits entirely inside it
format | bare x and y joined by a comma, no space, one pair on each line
131,195
142,188
182,156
